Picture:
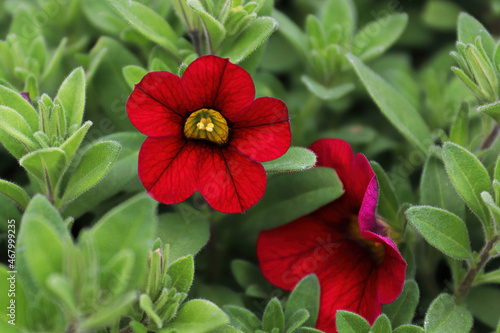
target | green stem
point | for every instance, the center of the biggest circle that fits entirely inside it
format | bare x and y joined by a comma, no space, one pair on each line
491,137
484,256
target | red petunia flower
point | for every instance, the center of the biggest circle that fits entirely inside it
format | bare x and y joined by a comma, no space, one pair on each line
358,266
207,132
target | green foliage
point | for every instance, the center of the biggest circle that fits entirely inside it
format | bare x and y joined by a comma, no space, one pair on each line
295,159
349,322
446,316
402,310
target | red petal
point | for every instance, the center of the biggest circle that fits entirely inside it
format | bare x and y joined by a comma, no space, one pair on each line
229,181
347,274
156,106
262,130
168,168
213,82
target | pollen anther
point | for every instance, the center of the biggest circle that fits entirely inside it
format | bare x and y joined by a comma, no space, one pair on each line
207,124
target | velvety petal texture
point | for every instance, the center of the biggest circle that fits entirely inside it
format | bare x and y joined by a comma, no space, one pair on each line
183,116
358,266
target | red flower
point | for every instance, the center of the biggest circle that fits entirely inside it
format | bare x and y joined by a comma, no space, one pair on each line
358,266
207,132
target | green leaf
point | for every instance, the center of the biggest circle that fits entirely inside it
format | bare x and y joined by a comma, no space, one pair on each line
305,295
377,36
242,318
135,222
343,13
381,325
110,314
442,229
388,205
70,146
401,113
147,22
47,166
469,178
444,316
459,131
273,316
297,319
123,171
492,207
247,274
215,29
292,33
348,322
14,100
249,39
146,304
482,302
441,14
186,232
492,110
469,28
133,74
290,196
15,133
72,96
327,94
55,61
14,192
197,316
39,239
437,190
295,159
409,329
94,165
402,310
181,273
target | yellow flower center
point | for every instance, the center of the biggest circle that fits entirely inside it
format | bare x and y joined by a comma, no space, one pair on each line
207,124
375,250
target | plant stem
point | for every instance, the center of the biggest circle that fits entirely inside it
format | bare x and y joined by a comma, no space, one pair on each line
491,137
196,40
484,256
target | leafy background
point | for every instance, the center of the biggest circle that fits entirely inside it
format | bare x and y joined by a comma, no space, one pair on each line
380,79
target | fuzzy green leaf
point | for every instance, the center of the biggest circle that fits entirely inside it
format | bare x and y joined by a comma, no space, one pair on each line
368,45
273,316
442,229
147,22
469,178
444,316
249,39
14,192
327,94
409,329
349,322
47,166
197,316
133,74
401,113
295,159
402,310
343,13
381,325
94,165
14,100
305,295
72,96
482,302
181,273
71,145
215,29
437,190
15,133
242,318
469,28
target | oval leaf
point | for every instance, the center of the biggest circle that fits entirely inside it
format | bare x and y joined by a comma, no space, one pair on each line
444,316
16,193
197,316
442,229
72,96
92,168
295,159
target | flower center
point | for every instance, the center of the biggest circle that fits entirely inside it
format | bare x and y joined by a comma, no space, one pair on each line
207,124
375,249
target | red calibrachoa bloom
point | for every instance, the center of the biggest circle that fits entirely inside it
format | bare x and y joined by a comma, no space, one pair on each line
207,132
358,266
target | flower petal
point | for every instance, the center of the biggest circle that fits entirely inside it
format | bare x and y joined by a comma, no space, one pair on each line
347,273
367,213
168,168
213,82
229,181
262,130
156,106
392,272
